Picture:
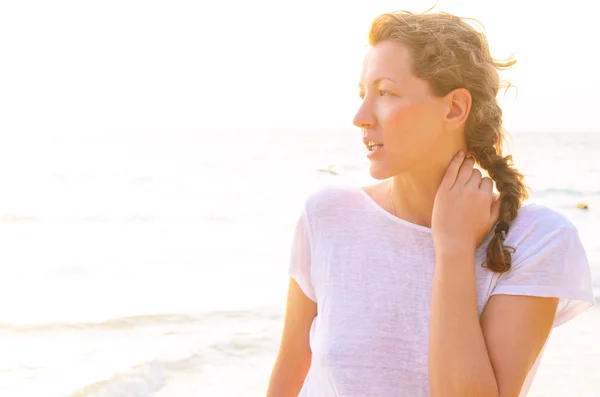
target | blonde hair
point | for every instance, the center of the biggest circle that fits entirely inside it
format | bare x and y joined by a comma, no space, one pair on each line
449,53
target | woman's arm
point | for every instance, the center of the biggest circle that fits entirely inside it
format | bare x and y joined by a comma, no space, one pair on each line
459,364
515,328
491,357
466,358
294,357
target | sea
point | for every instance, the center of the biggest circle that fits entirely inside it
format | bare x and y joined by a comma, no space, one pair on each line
153,263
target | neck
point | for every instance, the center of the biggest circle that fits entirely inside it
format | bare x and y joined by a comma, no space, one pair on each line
413,192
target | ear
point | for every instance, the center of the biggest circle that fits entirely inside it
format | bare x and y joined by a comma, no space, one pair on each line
457,105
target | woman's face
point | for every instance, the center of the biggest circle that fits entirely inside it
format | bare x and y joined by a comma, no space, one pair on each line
400,114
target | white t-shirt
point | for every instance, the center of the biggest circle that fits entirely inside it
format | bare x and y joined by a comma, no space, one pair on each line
370,274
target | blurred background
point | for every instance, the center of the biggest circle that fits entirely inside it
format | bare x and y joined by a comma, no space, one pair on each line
154,156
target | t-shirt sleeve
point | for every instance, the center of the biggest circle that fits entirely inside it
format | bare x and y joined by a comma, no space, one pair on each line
551,263
300,261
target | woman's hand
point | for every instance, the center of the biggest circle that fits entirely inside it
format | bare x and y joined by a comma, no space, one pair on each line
465,208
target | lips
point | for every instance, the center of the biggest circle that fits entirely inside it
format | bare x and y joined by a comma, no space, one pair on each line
372,145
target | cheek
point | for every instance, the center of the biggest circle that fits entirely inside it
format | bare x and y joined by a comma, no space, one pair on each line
412,129
400,115
408,119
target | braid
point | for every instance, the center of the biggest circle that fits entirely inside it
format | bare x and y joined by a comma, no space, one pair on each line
509,182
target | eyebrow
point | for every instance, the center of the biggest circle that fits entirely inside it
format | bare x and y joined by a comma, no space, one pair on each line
379,80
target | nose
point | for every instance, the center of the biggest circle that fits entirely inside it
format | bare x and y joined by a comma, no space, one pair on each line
364,117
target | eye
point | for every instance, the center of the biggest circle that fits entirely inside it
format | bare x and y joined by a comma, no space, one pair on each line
385,93
361,95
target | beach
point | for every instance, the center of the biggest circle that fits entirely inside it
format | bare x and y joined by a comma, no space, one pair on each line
149,263
570,362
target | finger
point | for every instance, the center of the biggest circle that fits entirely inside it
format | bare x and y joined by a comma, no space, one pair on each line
487,185
475,179
465,172
452,171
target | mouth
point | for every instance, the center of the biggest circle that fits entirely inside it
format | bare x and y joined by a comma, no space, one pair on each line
373,146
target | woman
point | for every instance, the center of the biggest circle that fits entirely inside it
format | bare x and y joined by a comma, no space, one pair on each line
427,283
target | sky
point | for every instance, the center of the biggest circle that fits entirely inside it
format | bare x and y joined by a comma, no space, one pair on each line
145,64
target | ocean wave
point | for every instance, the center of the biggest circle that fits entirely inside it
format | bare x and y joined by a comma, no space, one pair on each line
94,219
145,378
566,192
10,218
339,169
143,320
138,381
134,218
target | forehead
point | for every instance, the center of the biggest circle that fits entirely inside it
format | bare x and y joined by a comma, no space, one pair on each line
389,59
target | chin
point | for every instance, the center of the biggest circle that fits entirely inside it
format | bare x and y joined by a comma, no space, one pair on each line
382,170
380,173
